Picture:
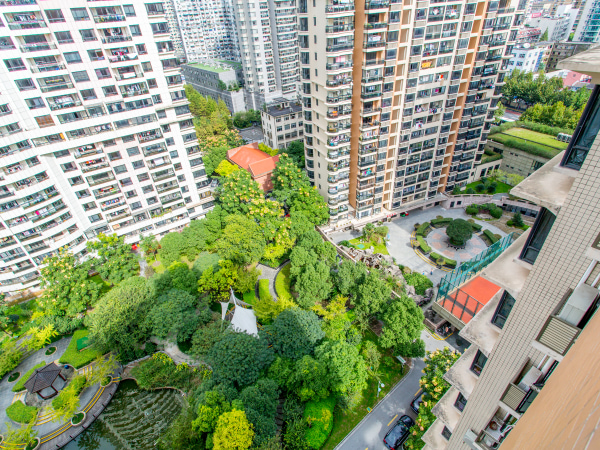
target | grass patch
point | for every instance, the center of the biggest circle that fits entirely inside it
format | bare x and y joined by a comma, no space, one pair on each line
20,385
104,285
320,415
21,413
263,290
283,283
491,157
250,297
77,418
378,247
345,421
501,187
540,138
50,351
204,261
531,142
13,376
77,358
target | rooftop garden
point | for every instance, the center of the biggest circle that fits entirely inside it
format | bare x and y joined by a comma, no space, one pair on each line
532,138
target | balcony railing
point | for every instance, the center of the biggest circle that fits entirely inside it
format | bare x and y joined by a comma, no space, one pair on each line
45,46
109,18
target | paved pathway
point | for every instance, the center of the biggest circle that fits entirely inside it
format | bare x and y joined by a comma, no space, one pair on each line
438,241
268,273
400,230
370,432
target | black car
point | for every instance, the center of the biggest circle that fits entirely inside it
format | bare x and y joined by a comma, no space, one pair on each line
398,433
414,405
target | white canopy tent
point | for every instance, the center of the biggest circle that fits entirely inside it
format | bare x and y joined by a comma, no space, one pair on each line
242,317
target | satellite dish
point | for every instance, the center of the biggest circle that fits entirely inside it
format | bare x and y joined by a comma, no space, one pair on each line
526,45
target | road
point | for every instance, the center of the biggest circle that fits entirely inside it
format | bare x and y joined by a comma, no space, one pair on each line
370,432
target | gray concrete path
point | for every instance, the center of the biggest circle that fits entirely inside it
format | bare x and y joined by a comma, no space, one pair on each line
400,231
369,433
268,273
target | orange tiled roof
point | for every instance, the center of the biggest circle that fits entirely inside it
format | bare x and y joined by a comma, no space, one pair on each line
263,167
464,304
246,155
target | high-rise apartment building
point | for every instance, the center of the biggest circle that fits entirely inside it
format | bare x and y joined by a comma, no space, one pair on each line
171,15
95,130
268,38
525,311
399,96
207,29
588,27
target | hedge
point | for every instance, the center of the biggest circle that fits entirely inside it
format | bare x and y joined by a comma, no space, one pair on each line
426,248
447,262
21,413
442,221
476,227
493,239
532,148
77,358
472,210
533,126
20,385
422,229
321,417
263,290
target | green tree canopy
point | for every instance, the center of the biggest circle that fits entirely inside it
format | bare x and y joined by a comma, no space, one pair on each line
313,284
403,322
67,289
459,231
260,403
295,150
241,242
205,337
349,274
370,296
115,260
295,333
118,320
233,431
177,276
175,314
172,247
309,379
217,284
554,115
237,190
239,358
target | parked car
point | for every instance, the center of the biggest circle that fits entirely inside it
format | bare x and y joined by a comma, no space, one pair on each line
398,434
414,405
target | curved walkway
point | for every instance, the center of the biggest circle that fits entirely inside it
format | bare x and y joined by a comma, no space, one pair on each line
268,273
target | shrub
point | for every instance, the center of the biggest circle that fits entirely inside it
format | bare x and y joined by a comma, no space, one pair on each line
441,221
509,223
476,227
20,385
420,282
491,236
77,358
160,371
470,191
517,220
496,212
435,256
263,290
319,415
472,210
406,270
73,389
426,248
345,243
459,231
21,413
421,231
451,263
480,188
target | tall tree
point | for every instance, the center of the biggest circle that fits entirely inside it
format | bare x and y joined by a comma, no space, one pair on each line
403,322
177,276
260,403
115,261
370,296
217,284
309,379
236,192
67,290
313,284
233,432
242,242
175,314
295,333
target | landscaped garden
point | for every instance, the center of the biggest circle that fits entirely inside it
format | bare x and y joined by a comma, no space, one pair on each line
372,237
529,137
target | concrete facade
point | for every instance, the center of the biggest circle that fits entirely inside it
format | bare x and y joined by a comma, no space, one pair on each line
527,58
517,161
96,132
398,99
564,50
282,123
588,28
205,76
551,275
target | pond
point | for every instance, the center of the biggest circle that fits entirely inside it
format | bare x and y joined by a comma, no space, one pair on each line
133,420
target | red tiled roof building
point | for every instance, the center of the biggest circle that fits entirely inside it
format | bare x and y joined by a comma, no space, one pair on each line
258,163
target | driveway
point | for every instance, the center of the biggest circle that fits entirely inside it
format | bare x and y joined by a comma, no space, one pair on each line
399,234
369,433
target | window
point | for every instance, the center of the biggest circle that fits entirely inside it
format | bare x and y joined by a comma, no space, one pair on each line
460,402
156,99
72,57
585,133
146,189
136,205
96,55
82,194
538,235
504,307
179,110
61,153
130,194
79,14
138,164
88,94
152,200
114,156
394,16
141,49
146,67
143,177
80,76
103,73
63,37
152,83
120,169
133,151
129,10
44,121
446,433
14,64
109,90
478,363
135,30
174,154
170,141
34,103
25,84
95,218
390,54
126,182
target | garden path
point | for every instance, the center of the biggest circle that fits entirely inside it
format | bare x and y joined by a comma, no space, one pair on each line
268,273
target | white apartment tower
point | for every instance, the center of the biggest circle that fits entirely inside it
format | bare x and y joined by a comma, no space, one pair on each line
95,130
268,38
171,16
399,96
207,29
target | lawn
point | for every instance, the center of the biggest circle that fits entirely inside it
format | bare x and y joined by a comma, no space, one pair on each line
250,297
361,244
78,358
283,283
104,285
263,290
501,187
531,142
345,421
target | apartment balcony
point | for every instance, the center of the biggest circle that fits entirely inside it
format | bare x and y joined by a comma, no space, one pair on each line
336,200
105,18
460,374
548,186
339,10
90,166
337,154
123,58
335,48
374,62
374,6
117,215
116,38
37,199
82,152
374,45
66,101
57,87
39,47
339,81
335,167
100,179
48,67
339,66
339,29
370,95
157,176
335,99
112,204
106,191
338,114
29,24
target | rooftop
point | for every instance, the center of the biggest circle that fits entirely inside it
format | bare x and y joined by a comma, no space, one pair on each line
217,68
468,300
277,109
587,62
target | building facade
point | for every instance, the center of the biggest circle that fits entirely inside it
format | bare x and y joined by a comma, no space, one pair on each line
588,28
547,294
207,29
96,133
398,99
268,38
564,50
219,80
282,123
528,58
171,15
558,28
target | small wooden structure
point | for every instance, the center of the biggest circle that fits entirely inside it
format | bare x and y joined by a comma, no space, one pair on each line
43,379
